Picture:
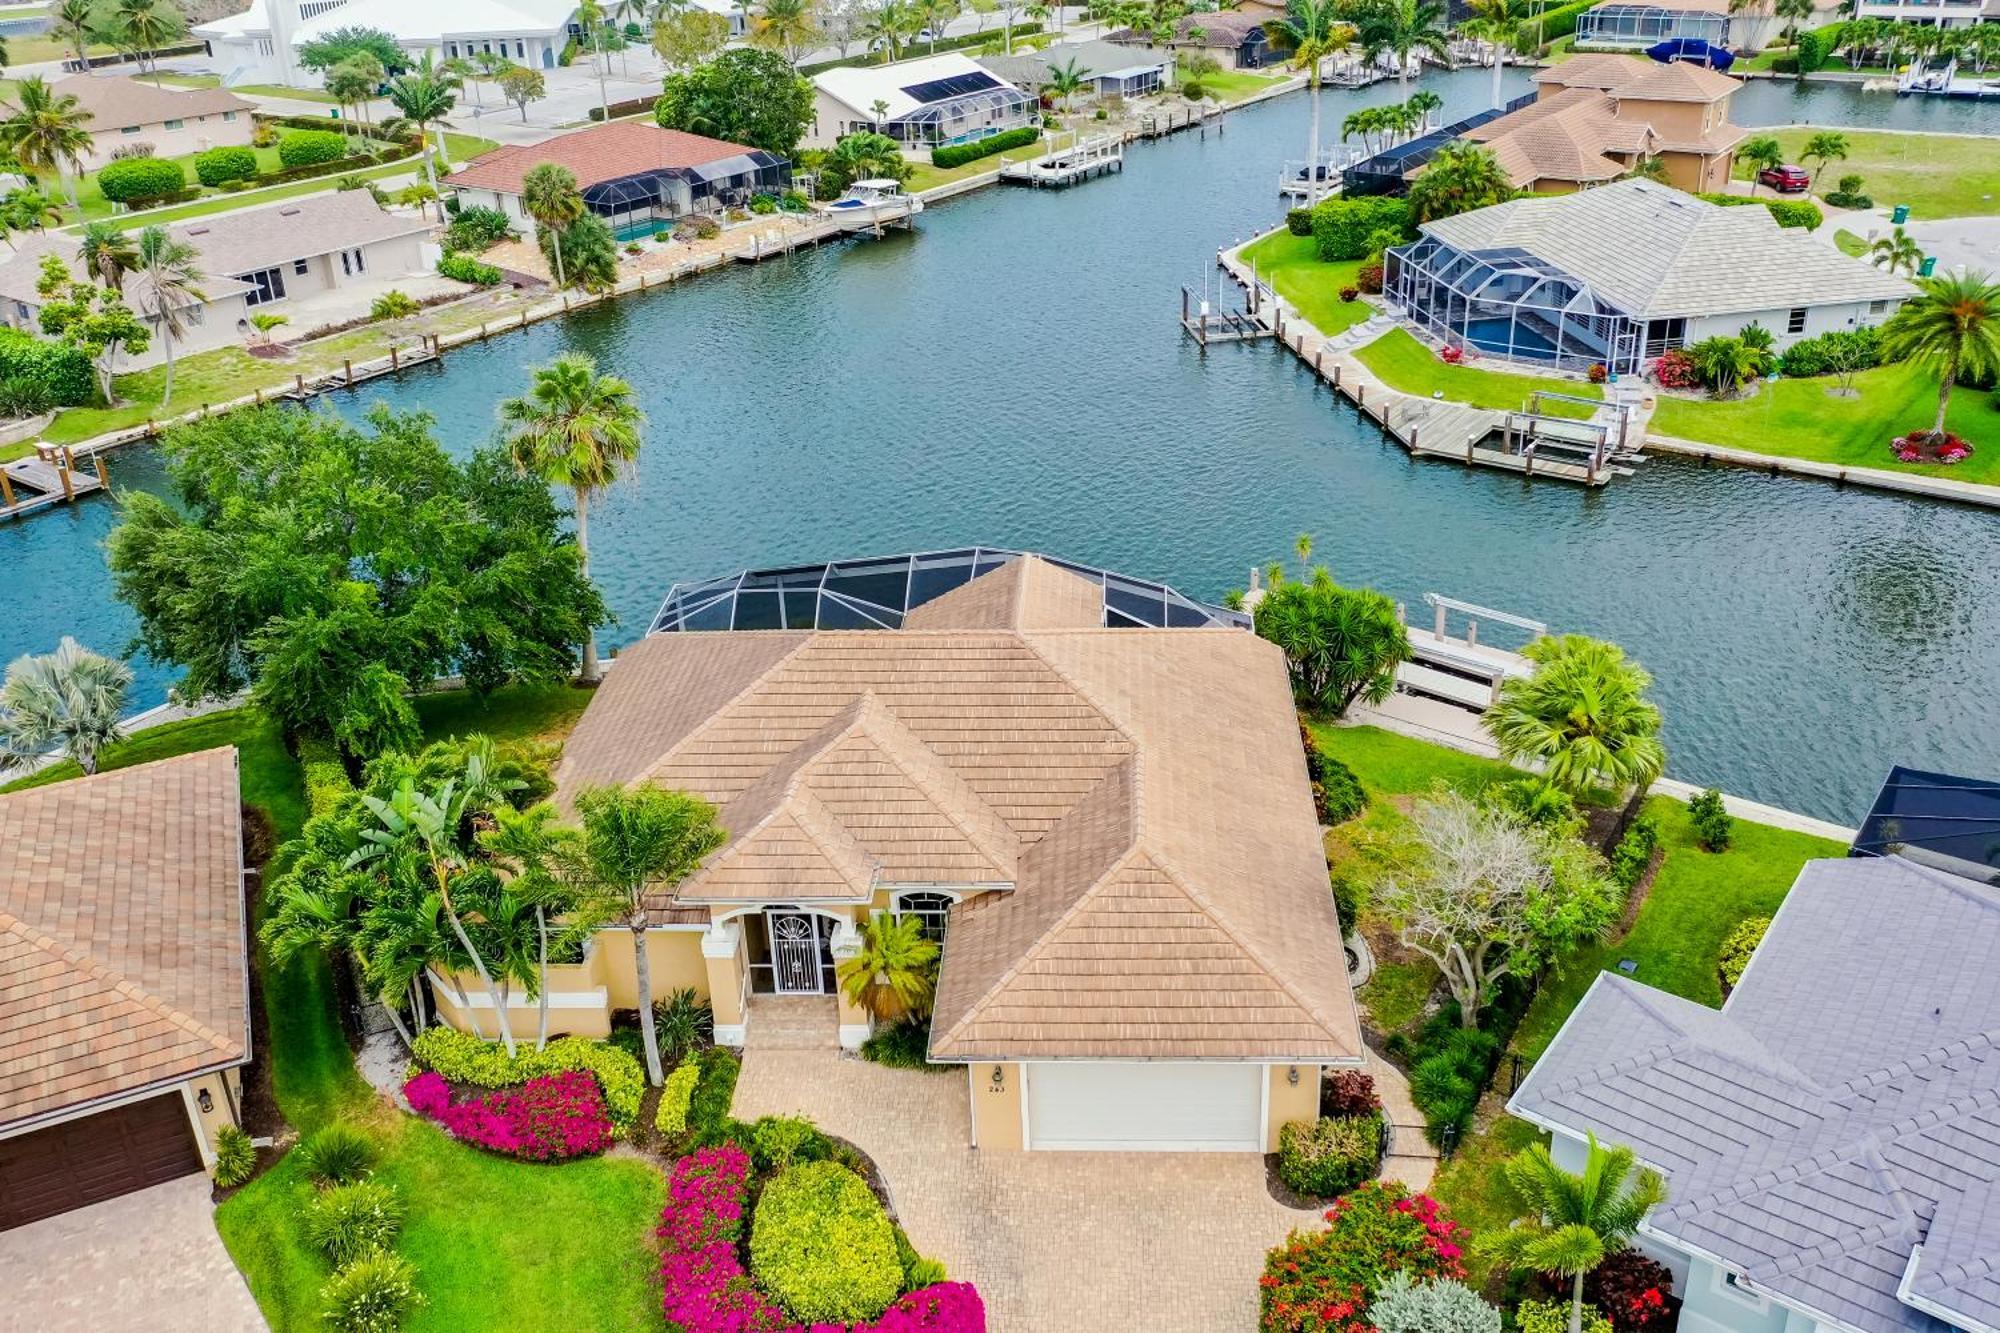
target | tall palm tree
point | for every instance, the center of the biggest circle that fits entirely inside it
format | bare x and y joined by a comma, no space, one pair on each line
70,699
1302,547
575,428
790,27
78,21
1828,146
107,254
639,843
1503,26
1310,31
171,296
1066,81
46,131
146,26
535,850
348,84
1422,103
1897,252
549,196
1741,7
1794,12
424,97
1571,1220
1404,28
1583,715
1952,328
590,17
895,971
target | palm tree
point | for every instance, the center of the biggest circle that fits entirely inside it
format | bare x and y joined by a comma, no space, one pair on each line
1421,104
1459,177
1740,6
1726,362
70,699
1302,547
172,296
1583,715
863,156
1503,26
1570,1221
787,26
1363,122
107,255
887,25
78,21
146,26
1311,31
549,196
895,971
424,97
530,845
590,17
462,72
1952,328
1826,145
1065,81
348,84
267,324
637,845
1758,154
1794,12
575,428
1897,252
45,131
30,207
1404,28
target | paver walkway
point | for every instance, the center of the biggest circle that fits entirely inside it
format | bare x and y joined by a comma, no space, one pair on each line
1057,1242
149,1260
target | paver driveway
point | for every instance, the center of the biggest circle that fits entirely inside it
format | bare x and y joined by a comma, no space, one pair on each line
1057,1242
148,1260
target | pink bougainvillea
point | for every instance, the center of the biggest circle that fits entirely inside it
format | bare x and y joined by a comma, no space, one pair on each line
544,1120
704,1288
1322,1281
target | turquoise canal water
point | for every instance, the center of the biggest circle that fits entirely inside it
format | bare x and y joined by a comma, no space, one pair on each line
1013,374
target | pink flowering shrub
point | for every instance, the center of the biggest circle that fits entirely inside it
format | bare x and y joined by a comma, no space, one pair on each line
1320,1282
704,1288
544,1120
1924,446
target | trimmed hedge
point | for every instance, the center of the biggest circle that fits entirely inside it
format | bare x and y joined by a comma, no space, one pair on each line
1817,47
1553,1317
219,166
1634,852
1786,212
464,268
462,1057
958,154
672,1117
309,148
822,1246
1560,22
1343,228
714,1090
59,369
1737,947
140,178
1331,1155
1816,355
1299,221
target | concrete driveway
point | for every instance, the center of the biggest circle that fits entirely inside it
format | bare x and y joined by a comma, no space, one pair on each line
1060,1241
149,1260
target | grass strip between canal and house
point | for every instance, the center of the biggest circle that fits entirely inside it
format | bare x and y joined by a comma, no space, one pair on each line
1291,264
1408,366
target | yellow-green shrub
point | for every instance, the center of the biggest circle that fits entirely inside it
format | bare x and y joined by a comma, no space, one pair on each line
462,1057
822,1246
672,1117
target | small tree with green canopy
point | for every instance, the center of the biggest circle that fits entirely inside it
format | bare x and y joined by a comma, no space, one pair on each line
744,96
523,86
1583,715
589,251
1459,178
344,44
70,700
1571,1220
1341,644
1950,328
94,320
895,971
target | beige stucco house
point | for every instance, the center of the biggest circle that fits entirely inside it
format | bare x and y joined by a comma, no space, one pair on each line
173,122
1110,830
124,981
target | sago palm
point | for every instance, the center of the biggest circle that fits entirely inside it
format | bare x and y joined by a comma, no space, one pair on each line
1310,31
549,196
170,296
1583,715
70,700
579,429
1570,1220
895,971
1951,328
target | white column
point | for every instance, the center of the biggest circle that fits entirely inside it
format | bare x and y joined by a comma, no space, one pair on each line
721,944
854,1023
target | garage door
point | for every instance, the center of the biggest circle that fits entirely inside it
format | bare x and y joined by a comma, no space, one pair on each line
95,1157
1158,1107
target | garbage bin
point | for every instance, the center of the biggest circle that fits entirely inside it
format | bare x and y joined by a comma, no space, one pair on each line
1901,215
1928,267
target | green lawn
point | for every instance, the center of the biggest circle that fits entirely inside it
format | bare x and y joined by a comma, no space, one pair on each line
1937,175
93,204
544,713
279,90
1803,419
1849,244
1474,1189
924,176
1236,85
1292,265
1405,364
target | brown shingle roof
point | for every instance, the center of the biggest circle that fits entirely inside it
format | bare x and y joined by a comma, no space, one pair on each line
115,102
122,953
600,153
1163,884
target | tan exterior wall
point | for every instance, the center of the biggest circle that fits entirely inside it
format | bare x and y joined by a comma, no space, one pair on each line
1697,174
1290,1101
196,134
225,1095
524,1014
1675,122
676,961
996,1107
584,995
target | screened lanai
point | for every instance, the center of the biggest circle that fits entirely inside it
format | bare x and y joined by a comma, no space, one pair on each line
1643,25
661,194
958,109
1507,303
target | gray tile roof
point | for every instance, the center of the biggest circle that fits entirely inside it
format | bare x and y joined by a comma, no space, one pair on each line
1842,1109
1657,252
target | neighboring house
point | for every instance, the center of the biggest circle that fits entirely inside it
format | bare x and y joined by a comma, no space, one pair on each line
633,174
1108,826
1111,70
941,99
1616,276
1830,1136
1235,38
173,122
1935,13
261,44
737,15
1622,23
124,981
255,259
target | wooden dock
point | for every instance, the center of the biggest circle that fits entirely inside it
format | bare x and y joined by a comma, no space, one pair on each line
1207,324
50,478
1098,155
758,251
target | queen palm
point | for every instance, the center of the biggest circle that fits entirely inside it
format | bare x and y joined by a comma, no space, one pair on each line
47,131
1583,715
1503,26
575,428
1951,328
70,699
1421,104
424,96
787,26
1310,31
107,255
146,26
1826,145
549,196
1066,81
1760,153
1572,1220
534,850
895,971
171,296
1404,28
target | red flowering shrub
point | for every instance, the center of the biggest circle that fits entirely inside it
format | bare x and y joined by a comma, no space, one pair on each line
1598,373
1451,356
1676,370
1923,446
1321,1282
1632,1290
1369,277
1347,1093
544,1120
1349,293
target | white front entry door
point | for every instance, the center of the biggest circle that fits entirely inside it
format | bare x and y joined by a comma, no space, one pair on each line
795,949
1146,1107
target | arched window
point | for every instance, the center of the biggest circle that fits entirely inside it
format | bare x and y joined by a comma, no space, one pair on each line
933,909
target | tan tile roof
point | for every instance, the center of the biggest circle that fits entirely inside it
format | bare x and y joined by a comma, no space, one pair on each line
1167,893
122,954
1637,77
600,153
1564,137
115,102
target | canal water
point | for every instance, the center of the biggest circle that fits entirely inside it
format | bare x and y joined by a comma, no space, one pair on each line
1013,374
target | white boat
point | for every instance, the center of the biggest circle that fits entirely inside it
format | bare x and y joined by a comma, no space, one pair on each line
871,203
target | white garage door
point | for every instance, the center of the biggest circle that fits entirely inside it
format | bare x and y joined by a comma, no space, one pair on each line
1160,1107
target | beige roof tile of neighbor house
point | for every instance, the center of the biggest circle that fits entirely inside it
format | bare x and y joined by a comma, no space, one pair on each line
1134,798
122,953
115,102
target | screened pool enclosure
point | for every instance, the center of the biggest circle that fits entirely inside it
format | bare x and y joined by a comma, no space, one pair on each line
1643,25
876,593
661,194
1507,303
959,109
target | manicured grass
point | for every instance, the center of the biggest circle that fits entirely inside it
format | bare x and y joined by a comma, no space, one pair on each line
1395,996
1849,244
1473,1187
1937,175
93,205
1232,86
1407,365
924,176
1398,765
527,712
1804,419
1292,265
279,90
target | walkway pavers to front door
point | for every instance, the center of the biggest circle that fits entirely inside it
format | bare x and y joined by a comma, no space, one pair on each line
1057,1242
148,1260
